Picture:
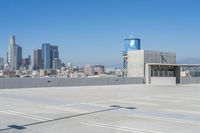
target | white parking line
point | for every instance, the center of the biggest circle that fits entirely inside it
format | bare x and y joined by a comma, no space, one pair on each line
160,100
20,114
120,128
182,111
165,119
180,98
67,109
136,102
94,104
35,116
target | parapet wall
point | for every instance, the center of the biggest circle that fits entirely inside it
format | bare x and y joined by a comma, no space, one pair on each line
6,83
190,80
163,80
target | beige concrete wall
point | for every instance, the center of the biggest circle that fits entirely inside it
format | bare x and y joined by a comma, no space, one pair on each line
137,60
163,80
136,63
6,83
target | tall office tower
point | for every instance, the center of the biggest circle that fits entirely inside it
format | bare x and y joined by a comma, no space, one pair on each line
53,54
14,55
54,51
1,63
49,53
11,52
37,55
46,55
17,57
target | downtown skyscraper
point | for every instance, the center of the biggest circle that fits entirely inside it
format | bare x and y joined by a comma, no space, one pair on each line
11,51
49,53
18,57
14,54
37,59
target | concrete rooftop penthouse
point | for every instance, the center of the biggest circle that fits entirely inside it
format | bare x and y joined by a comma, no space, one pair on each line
101,109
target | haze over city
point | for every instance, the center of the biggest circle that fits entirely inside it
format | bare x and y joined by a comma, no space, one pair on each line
92,31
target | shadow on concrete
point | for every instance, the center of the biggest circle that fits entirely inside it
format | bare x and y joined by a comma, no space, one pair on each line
21,127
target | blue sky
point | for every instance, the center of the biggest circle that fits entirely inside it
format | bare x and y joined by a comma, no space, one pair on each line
92,31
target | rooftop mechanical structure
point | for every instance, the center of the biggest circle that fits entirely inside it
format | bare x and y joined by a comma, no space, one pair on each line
130,44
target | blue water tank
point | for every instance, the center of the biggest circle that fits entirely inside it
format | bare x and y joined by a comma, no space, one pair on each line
131,44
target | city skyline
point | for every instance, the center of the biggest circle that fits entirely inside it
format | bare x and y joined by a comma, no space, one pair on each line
84,30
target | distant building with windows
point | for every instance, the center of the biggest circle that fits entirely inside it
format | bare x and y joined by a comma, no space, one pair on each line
11,52
49,53
37,61
17,57
14,54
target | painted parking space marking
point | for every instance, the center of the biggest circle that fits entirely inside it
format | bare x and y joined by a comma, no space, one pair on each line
135,102
67,109
94,104
180,98
24,115
160,100
119,128
174,120
182,111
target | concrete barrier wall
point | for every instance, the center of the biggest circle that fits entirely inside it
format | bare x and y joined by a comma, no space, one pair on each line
190,80
59,82
163,80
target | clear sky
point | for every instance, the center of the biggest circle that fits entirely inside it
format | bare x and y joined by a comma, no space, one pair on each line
92,31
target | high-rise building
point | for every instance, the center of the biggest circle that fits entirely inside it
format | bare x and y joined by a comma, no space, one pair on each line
11,52
46,53
37,59
17,57
49,53
54,52
14,54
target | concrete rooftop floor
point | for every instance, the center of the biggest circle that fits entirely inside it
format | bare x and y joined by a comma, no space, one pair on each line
89,109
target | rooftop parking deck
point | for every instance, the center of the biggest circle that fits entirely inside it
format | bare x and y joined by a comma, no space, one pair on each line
101,109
